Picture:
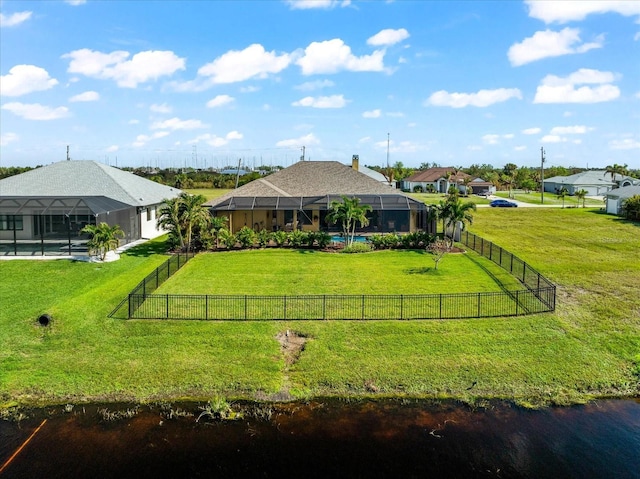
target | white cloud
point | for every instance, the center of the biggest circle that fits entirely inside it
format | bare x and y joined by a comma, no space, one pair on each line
36,111
85,97
567,11
75,3
141,68
493,139
315,85
23,79
398,147
306,140
133,122
160,108
319,4
332,56
372,114
531,131
636,37
14,19
570,130
218,141
252,62
388,37
564,90
395,114
142,140
333,101
625,144
177,124
249,89
550,44
220,100
365,139
112,149
520,148
481,99
7,138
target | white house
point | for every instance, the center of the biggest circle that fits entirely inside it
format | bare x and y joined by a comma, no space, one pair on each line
616,198
595,182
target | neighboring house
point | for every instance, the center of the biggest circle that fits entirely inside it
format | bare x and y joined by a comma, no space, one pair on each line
55,202
300,196
595,182
376,175
616,198
439,179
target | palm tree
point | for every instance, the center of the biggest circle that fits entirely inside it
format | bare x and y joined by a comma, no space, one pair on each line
348,213
104,238
561,194
616,169
441,211
193,216
169,220
459,213
581,195
217,223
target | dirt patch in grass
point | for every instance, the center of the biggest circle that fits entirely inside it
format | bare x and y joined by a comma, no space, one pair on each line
291,344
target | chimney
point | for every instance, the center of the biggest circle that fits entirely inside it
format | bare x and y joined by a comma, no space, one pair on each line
355,162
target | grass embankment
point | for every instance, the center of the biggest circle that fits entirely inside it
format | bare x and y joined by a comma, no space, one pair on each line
435,198
590,347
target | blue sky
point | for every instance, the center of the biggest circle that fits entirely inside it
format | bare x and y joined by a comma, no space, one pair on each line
205,83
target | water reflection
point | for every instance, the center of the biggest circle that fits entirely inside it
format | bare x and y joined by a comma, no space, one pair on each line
331,439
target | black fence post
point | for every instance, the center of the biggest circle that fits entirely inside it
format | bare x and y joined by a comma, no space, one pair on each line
402,300
479,297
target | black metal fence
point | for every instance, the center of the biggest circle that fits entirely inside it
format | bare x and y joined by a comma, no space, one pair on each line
538,297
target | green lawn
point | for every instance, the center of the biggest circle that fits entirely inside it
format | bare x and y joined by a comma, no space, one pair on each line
292,272
590,347
435,198
208,193
550,199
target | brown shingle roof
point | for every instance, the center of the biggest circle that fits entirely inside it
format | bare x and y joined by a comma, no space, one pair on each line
434,174
311,178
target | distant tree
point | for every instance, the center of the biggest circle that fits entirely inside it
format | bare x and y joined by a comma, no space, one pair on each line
614,170
103,238
582,195
562,194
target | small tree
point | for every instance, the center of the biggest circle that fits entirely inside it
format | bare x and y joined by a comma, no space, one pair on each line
459,212
438,249
582,195
348,212
104,238
631,207
562,194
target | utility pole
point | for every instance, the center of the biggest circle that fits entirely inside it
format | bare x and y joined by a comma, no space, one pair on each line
302,157
387,150
542,174
68,157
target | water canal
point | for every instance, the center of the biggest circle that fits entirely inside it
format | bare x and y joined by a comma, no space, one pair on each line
359,439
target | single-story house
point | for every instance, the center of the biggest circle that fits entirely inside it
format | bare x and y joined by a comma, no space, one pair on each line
54,202
440,179
299,197
616,198
594,182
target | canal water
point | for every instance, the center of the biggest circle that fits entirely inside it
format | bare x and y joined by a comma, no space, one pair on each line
336,439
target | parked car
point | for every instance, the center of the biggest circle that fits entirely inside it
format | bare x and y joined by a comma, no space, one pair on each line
503,204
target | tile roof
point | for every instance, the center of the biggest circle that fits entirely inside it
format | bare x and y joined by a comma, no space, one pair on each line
80,179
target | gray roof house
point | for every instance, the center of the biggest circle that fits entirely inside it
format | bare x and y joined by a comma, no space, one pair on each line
51,204
616,198
299,197
595,182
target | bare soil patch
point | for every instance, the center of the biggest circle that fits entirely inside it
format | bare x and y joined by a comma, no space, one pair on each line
291,344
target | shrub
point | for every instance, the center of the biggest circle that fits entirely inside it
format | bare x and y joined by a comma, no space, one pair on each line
296,238
246,237
279,237
322,239
418,189
309,238
227,238
391,240
263,237
358,248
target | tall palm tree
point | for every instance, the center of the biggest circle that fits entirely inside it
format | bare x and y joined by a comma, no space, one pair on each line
348,213
459,212
441,211
193,216
616,169
104,238
218,223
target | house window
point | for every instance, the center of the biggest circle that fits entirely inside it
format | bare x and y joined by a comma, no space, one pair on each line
305,217
149,218
10,222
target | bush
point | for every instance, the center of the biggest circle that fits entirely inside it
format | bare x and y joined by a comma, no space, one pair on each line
279,237
227,238
358,248
246,237
309,238
322,239
263,237
418,189
391,240
296,238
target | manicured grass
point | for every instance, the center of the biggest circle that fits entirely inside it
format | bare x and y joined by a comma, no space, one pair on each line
294,272
550,199
435,198
590,347
208,193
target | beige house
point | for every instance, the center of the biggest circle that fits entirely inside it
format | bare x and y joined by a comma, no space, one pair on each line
299,197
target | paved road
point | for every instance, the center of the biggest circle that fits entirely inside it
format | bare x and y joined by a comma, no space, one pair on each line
531,205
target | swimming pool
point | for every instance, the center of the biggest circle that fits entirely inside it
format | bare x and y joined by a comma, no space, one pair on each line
340,239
